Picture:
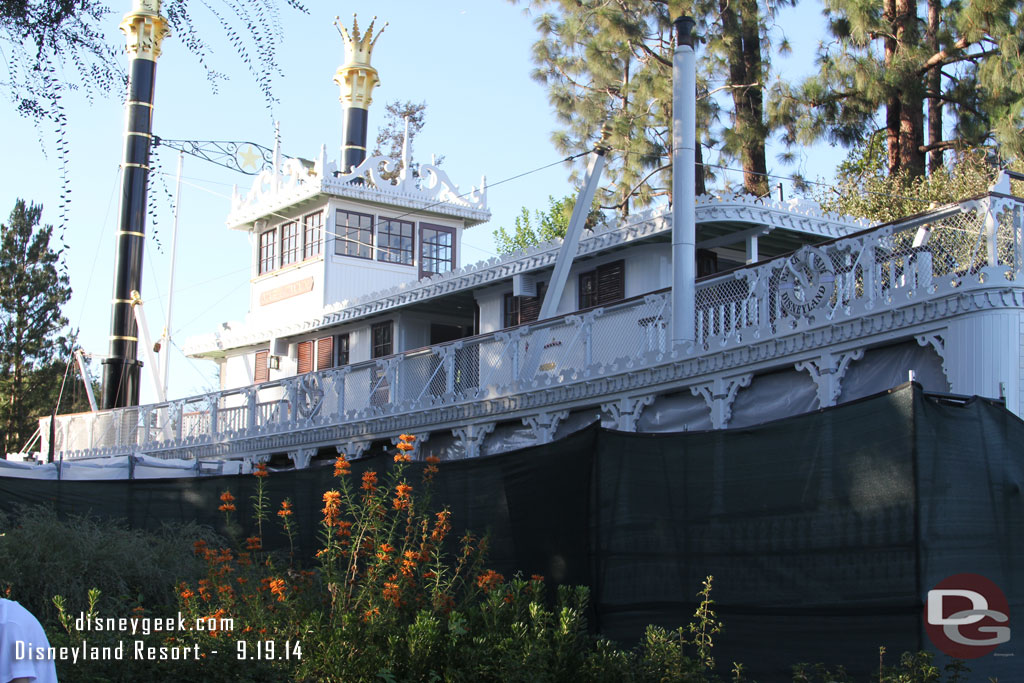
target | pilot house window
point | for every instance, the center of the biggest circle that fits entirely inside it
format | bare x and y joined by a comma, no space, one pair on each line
355,234
437,249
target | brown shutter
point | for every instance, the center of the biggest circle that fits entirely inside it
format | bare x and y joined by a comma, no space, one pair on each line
305,357
529,306
260,372
611,282
325,353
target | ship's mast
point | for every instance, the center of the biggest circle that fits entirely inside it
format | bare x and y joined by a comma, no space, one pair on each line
356,78
144,31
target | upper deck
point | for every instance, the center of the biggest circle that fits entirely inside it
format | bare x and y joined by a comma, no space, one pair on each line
947,282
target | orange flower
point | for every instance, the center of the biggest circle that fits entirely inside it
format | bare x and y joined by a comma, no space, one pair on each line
253,543
432,459
342,466
332,509
227,502
407,437
403,446
286,509
278,588
409,563
261,470
199,547
537,577
392,592
402,457
204,589
402,500
187,594
344,529
383,551
369,481
371,613
441,527
489,579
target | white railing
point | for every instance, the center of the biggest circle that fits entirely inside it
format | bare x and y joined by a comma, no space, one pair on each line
885,267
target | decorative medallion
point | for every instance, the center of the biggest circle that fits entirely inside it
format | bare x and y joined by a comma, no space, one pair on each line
806,281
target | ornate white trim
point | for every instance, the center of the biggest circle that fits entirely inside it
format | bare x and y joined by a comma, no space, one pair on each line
827,371
301,457
352,449
937,341
544,425
295,181
625,411
719,394
472,437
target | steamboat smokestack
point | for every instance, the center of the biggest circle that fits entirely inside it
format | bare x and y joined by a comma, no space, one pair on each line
356,78
144,30
684,223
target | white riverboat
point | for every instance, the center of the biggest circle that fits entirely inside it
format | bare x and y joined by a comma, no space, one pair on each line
363,323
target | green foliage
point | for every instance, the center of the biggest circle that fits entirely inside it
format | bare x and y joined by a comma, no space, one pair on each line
33,288
864,189
963,61
613,62
43,554
543,225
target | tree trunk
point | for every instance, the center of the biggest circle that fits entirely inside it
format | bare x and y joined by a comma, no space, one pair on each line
934,89
742,38
909,119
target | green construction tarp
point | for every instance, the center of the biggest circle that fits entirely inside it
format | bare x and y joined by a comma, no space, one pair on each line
823,532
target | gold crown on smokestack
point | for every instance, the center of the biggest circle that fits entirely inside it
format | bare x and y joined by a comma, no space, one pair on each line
145,29
356,77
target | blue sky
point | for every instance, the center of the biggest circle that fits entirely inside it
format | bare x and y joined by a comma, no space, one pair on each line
469,60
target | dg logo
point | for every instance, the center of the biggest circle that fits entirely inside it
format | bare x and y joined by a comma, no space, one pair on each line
967,616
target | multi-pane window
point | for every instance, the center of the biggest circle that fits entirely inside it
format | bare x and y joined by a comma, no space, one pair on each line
354,234
268,251
343,358
437,249
520,310
394,241
382,338
312,228
291,244
604,285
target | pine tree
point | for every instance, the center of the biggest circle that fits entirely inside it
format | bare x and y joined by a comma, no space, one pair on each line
391,137
963,59
613,61
33,289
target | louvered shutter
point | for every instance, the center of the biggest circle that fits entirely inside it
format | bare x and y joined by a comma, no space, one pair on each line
305,357
324,353
260,372
529,306
611,282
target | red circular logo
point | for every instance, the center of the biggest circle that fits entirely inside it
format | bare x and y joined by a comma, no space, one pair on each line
967,616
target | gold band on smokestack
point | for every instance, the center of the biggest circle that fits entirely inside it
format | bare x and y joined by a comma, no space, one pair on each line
356,78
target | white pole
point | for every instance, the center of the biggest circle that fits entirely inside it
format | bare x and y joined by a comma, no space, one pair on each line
140,321
165,338
571,241
684,135
83,368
